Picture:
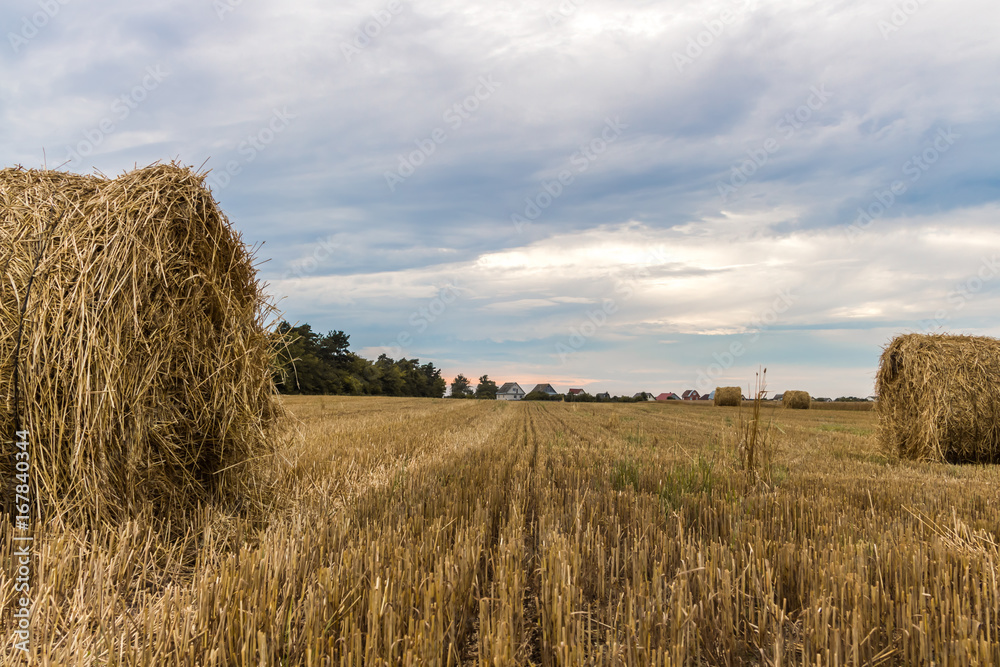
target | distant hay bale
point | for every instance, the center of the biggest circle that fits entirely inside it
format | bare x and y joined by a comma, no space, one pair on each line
939,398
133,322
796,400
728,396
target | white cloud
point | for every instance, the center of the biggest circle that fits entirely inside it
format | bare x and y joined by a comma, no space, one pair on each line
727,279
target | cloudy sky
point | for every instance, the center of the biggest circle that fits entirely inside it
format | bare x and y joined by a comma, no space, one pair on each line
623,196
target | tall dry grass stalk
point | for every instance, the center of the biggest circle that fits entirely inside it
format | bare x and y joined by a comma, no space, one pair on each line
755,444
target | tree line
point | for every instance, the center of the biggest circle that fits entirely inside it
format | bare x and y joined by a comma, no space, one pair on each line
312,363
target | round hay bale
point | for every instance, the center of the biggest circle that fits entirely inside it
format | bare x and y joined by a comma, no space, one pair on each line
939,398
134,345
796,400
728,396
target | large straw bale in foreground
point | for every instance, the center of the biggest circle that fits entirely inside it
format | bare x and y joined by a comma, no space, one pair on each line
797,400
134,324
728,396
939,398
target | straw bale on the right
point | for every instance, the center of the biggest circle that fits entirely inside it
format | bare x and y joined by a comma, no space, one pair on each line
939,398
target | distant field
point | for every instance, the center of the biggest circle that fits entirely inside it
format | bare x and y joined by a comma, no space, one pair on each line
860,406
421,531
864,406
855,406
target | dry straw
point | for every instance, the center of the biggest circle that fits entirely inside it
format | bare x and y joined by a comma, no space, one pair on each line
939,398
797,400
134,342
728,396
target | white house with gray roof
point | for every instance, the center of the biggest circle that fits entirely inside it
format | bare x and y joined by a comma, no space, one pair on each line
510,391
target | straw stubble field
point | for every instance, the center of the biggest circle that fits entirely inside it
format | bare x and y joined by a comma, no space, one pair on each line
418,531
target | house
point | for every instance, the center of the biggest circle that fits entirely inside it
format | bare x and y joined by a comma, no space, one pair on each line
575,392
644,396
603,396
545,389
668,396
510,391
690,395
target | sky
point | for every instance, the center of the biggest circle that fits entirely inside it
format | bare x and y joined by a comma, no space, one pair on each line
619,196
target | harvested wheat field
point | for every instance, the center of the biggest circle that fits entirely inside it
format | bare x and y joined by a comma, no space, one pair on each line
438,532
858,406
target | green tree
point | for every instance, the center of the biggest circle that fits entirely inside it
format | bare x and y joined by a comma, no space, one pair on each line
308,363
333,348
460,387
486,388
435,385
301,369
390,378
